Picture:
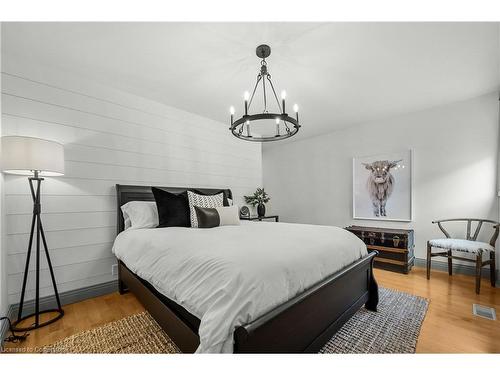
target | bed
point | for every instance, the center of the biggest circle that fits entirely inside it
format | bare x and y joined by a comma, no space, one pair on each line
253,288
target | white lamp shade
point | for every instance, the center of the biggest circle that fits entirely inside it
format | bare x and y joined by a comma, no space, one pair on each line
24,155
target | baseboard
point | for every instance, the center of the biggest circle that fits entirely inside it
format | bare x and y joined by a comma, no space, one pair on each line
66,298
463,269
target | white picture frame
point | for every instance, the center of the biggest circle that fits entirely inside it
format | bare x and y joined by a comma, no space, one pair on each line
365,198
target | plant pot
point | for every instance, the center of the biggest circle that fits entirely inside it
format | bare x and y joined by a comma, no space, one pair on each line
261,210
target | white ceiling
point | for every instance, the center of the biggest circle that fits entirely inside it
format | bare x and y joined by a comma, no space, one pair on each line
340,74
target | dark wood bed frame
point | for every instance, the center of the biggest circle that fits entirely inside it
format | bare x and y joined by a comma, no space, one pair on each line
302,324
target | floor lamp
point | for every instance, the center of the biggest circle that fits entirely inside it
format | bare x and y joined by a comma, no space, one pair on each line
34,157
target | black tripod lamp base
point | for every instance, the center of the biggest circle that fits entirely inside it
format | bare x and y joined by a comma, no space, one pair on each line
33,326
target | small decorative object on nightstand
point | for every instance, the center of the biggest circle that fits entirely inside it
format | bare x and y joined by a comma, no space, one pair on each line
244,212
276,218
258,199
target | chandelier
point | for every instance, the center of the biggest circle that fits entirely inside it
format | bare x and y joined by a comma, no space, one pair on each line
284,125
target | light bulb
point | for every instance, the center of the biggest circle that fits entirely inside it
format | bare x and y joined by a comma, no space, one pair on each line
246,95
283,94
295,108
247,122
278,120
231,110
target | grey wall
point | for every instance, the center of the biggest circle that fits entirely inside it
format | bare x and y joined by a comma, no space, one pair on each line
110,137
455,167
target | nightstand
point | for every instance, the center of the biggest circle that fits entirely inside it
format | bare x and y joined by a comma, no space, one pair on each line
276,218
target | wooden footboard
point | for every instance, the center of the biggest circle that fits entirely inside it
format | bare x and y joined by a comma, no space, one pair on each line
308,321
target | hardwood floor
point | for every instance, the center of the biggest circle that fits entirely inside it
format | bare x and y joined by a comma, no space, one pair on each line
82,316
448,327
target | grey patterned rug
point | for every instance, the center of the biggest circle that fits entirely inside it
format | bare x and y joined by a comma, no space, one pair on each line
394,328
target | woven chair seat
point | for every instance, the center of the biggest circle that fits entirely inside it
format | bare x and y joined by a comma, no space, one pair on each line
458,244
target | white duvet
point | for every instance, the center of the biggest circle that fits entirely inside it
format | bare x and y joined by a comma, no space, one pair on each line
231,275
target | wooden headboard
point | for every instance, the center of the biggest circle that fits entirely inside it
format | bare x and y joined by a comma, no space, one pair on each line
127,193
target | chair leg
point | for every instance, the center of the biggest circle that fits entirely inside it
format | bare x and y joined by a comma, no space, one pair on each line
479,262
428,260
450,264
492,269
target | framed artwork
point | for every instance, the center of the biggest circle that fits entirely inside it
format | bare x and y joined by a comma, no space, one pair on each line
382,186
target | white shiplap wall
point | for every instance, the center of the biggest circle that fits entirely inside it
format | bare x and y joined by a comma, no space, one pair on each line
110,137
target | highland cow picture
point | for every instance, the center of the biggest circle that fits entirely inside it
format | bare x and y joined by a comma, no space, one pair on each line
382,187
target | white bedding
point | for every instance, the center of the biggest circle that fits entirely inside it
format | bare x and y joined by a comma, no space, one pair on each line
229,276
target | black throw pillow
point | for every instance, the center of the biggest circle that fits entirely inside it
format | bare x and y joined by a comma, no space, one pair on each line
207,217
173,209
225,202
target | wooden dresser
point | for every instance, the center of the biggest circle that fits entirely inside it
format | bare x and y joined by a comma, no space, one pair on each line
395,246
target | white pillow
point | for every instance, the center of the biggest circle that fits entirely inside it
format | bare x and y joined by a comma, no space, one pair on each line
229,215
204,201
127,223
140,214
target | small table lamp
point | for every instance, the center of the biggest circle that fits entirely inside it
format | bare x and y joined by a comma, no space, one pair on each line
34,157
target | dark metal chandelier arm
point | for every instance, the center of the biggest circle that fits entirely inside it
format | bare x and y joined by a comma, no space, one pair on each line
278,102
274,92
265,99
259,77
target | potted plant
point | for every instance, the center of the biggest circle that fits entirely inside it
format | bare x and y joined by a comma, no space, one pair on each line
259,198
